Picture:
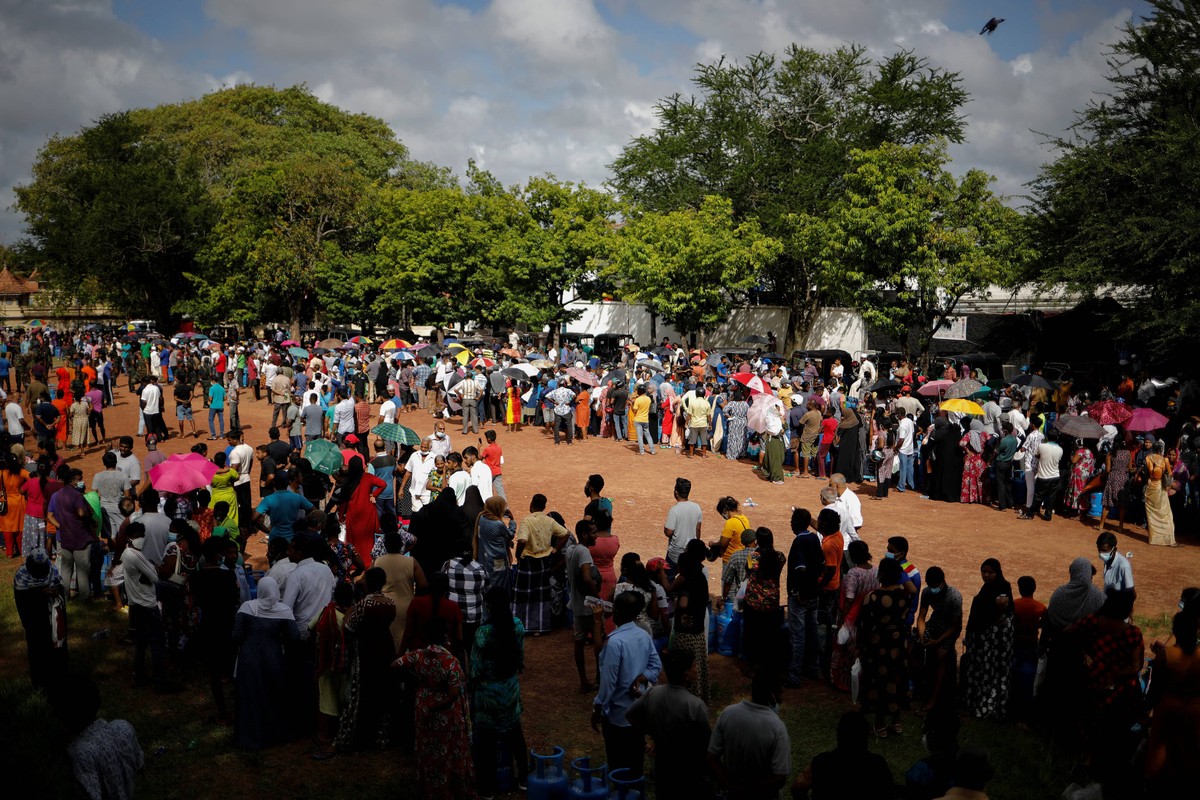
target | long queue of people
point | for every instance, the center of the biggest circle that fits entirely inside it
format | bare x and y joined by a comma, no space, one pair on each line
337,621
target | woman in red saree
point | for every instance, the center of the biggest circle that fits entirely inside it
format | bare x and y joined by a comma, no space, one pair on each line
356,506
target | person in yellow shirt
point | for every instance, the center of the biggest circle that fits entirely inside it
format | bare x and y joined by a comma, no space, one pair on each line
731,533
641,420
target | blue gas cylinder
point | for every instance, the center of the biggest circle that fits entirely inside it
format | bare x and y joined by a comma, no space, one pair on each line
547,778
723,644
731,637
623,786
589,783
1097,505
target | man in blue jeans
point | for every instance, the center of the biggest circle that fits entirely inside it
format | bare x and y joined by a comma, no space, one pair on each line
806,563
906,432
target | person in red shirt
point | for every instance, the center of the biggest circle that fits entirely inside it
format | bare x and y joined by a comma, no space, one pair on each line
64,383
1027,625
494,458
220,362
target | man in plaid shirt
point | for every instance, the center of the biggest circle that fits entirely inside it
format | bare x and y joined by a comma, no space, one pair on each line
468,583
421,373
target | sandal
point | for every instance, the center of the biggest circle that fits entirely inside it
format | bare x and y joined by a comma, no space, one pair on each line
881,732
897,729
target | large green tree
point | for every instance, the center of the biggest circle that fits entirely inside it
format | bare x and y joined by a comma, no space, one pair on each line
222,206
909,240
690,266
1117,210
775,137
115,216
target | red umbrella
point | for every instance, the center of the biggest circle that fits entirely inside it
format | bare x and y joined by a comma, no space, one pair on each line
583,376
934,388
1145,419
751,382
486,363
1110,412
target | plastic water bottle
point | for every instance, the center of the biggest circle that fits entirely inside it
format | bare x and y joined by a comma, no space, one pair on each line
749,502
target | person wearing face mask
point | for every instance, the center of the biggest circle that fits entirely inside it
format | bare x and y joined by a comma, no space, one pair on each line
440,444
749,751
939,622
70,514
932,776
1118,572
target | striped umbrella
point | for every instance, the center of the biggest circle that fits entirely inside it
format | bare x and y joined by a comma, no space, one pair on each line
395,344
486,363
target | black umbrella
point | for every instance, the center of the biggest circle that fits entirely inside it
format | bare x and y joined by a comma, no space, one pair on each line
756,339
663,351
884,385
1032,381
515,374
774,356
1079,427
429,351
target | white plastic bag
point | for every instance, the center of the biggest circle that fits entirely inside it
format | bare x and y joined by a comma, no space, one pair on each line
855,677
843,636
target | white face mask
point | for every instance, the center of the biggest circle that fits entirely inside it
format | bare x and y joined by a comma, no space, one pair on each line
440,435
1107,557
136,544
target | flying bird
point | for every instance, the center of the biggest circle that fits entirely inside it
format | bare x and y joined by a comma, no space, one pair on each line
991,26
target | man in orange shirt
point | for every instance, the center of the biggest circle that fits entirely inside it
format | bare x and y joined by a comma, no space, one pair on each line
89,375
829,526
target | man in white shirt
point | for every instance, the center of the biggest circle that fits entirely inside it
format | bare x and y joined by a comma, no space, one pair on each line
458,480
440,442
241,458
15,424
830,500
1045,488
1018,421
309,586
481,473
848,498
151,403
128,463
343,417
416,474
684,522
906,433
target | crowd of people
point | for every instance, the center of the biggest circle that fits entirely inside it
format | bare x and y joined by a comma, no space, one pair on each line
400,586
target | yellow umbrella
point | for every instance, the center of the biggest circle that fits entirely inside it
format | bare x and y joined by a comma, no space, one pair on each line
462,356
963,406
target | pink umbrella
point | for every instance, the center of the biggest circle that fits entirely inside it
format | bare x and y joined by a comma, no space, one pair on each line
1146,419
178,477
934,388
583,376
196,460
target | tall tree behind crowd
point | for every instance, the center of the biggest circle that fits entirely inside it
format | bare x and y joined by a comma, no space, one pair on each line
776,136
1118,207
223,206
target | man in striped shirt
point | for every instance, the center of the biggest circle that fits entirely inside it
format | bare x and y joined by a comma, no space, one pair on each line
468,391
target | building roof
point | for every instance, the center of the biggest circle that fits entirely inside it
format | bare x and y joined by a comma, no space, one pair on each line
11,284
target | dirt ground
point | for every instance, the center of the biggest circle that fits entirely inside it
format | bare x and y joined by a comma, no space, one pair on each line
956,537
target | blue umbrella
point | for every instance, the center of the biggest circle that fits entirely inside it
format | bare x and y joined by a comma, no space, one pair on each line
297,352
404,355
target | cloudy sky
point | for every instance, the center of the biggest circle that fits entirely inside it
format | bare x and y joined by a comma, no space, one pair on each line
525,86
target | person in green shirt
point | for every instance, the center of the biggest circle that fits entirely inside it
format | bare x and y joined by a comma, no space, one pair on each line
1005,451
216,409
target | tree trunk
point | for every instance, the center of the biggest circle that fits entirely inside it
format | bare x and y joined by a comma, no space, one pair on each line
294,307
802,315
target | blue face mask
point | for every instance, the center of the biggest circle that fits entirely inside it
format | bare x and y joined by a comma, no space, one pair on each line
889,555
934,589
172,537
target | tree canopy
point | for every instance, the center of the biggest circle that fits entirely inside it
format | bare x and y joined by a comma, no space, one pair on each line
908,241
776,137
1116,210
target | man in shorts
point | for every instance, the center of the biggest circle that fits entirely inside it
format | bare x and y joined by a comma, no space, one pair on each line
185,389
810,437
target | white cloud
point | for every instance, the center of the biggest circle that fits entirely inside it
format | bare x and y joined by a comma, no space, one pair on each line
522,86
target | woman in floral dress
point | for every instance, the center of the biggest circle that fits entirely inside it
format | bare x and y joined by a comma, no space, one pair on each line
365,719
1083,464
735,425
1117,462
445,770
881,636
974,475
988,645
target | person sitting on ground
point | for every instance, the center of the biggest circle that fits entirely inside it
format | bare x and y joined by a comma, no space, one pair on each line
105,757
972,771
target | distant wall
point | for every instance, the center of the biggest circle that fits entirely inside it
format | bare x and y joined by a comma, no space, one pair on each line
834,328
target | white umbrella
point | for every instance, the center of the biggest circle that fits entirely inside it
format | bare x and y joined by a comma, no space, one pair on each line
760,405
529,370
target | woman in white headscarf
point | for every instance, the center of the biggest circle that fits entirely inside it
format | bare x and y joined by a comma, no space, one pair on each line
262,629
